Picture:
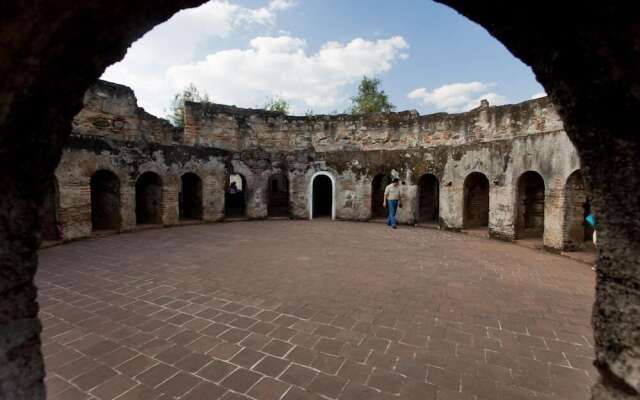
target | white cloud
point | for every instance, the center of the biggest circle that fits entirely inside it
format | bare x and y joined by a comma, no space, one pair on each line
281,66
280,44
179,37
179,52
281,4
457,97
538,95
181,40
264,15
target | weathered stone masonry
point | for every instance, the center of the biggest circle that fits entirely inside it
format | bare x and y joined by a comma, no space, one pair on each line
586,58
516,159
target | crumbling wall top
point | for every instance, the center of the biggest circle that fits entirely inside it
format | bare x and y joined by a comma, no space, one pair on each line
111,110
238,129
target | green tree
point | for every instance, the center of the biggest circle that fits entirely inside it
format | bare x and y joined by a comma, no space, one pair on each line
370,98
278,105
176,109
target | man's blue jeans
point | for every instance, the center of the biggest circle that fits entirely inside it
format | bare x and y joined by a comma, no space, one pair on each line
392,206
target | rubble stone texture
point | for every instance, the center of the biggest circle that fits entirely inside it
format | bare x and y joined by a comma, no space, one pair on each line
503,168
586,57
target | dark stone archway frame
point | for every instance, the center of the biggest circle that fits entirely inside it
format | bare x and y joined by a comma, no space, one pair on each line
587,57
190,197
278,195
378,186
105,201
476,200
576,231
530,202
428,207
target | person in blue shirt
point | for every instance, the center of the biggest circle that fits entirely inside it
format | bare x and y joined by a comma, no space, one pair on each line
591,220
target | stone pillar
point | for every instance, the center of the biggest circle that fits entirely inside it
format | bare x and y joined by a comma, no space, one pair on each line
361,197
21,364
554,211
351,205
128,203
616,312
502,210
407,214
415,201
170,206
451,202
365,201
213,197
257,196
343,206
75,207
298,187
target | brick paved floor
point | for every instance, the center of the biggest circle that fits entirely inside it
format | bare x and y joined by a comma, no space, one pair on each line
300,310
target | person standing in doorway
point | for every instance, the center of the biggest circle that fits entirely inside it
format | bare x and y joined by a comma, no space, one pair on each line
233,188
392,200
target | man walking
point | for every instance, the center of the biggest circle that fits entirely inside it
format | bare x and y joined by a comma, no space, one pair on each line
392,199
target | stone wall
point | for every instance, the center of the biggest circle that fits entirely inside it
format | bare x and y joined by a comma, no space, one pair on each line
501,143
239,129
111,111
53,54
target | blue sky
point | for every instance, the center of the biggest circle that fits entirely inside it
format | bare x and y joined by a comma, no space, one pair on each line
313,52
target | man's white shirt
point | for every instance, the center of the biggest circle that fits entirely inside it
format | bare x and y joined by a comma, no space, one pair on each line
392,192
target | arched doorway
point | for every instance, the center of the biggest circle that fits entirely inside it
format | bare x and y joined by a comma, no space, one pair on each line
428,199
577,231
49,213
149,199
278,192
378,186
190,198
322,197
512,23
530,205
105,201
235,204
476,201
